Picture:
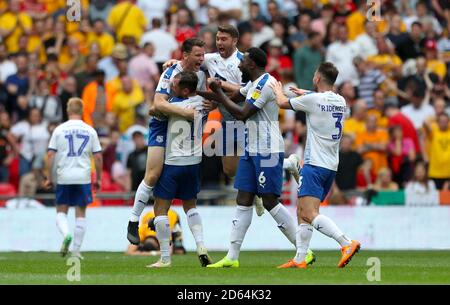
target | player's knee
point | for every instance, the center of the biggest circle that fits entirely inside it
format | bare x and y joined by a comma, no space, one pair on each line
307,216
245,199
229,171
269,205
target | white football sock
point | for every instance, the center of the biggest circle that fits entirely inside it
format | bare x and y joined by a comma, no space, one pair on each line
285,221
195,224
241,222
287,163
62,224
326,226
80,229
143,194
304,234
163,236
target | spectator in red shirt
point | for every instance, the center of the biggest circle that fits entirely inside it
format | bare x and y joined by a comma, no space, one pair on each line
276,61
180,26
401,155
397,118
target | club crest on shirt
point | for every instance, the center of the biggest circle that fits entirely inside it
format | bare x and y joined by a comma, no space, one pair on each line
256,94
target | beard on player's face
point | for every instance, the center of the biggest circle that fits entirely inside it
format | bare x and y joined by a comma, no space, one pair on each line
245,76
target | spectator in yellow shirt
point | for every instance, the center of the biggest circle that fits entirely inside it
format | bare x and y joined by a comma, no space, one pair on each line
433,63
386,60
125,102
127,19
14,24
438,135
149,244
378,109
357,123
356,20
100,36
372,144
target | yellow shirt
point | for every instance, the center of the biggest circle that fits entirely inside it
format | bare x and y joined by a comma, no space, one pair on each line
382,121
53,5
124,106
383,26
379,159
437,67
9,21
386,60
355,25
144,230
35,45
354,127
439,153
105,41
134,23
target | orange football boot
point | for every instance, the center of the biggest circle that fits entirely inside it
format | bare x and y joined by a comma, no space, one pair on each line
348,252
292,264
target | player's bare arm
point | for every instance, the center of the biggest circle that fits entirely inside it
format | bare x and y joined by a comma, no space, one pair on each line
162,105
240,113
229,87
98,160
282,100
234,95
48,183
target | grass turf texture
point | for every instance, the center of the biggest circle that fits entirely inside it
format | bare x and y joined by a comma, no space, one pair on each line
397,267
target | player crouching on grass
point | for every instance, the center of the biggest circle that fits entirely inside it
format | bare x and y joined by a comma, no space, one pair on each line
149,245
180,177
71,146
325,112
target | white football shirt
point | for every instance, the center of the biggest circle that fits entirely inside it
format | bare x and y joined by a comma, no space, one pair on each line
184,138
167,76
226,69
74,143
262,128
325,114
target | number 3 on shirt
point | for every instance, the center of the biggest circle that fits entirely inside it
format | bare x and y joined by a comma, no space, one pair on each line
338,125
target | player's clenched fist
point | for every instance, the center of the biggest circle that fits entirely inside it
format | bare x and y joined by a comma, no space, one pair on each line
214,85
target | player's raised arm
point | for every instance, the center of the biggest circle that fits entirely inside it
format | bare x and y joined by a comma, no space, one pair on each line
162,104
236,95
281,99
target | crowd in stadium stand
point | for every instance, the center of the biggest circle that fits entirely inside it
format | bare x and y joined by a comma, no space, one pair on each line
393,60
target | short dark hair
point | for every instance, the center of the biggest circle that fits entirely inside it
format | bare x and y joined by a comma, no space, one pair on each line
229,29
421,2
156,23
258,56
188,80
52,57
313,34
98,20
136,134
190,43
99,72
329,72
416,23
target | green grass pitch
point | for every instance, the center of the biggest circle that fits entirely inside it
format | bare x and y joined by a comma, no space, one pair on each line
397,267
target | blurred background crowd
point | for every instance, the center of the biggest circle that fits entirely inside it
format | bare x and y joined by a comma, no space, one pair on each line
393,58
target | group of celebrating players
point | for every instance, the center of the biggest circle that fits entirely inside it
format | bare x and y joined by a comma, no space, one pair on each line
250,143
